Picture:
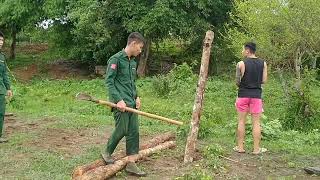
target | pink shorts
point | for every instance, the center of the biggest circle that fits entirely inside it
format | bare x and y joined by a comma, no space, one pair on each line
252,105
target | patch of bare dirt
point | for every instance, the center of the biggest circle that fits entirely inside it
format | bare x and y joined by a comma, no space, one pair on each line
63,69
59,69
26,73
166,166
69,142
14,125
266,166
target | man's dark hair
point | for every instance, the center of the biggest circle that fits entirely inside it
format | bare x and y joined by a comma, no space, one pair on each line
135,36
251,46
1,34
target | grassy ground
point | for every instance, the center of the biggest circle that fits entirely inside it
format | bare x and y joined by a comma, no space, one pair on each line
52,133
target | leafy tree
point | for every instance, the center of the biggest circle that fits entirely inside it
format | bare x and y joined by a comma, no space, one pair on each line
100,28
285,30
17,14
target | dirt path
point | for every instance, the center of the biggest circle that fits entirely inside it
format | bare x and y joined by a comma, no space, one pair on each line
266,166
68,141
165,165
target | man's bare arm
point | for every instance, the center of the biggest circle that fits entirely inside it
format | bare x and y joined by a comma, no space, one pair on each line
238,74
265,73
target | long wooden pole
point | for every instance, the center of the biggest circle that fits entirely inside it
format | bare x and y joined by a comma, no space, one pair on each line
86,97
198,102
110,104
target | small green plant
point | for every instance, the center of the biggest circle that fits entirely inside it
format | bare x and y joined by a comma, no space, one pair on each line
206,127
161,85
196,174
271,129
212,153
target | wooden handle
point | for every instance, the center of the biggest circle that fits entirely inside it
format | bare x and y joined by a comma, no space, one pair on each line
142,113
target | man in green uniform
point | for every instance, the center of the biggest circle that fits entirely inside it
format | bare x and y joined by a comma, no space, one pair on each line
4,88
120,82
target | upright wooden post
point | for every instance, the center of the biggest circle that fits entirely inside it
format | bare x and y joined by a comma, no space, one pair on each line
197,107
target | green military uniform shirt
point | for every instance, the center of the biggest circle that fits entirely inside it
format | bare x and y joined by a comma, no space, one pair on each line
120,79
4,80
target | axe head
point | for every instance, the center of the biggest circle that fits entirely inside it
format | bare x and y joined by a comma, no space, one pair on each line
83,96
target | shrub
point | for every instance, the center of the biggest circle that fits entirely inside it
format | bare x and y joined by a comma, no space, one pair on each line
303,113
180,80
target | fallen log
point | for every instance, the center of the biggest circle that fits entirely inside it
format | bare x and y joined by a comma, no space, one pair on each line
104,172
78,171
238,162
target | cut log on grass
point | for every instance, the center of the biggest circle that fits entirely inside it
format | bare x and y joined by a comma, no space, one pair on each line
104,172
197,107
100,162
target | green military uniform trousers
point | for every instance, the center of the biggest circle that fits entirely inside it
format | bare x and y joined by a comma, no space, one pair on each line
2,111
4,86
120,81
126,124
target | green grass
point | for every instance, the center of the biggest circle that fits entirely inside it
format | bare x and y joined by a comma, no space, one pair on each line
57,99
43,99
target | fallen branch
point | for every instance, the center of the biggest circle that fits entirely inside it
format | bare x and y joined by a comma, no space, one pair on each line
104,172
78,171
238,162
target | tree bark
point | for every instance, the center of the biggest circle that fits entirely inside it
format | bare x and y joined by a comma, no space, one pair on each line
79,171
213,66
284,85
198,102
141,71
13,43
314,63
104,172
297,65
318,67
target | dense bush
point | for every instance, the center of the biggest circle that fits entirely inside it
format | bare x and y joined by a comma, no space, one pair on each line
303,111
179,80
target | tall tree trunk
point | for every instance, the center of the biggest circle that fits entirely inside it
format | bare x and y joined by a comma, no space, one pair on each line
283,85
314,62
198,102
13,43
143,59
